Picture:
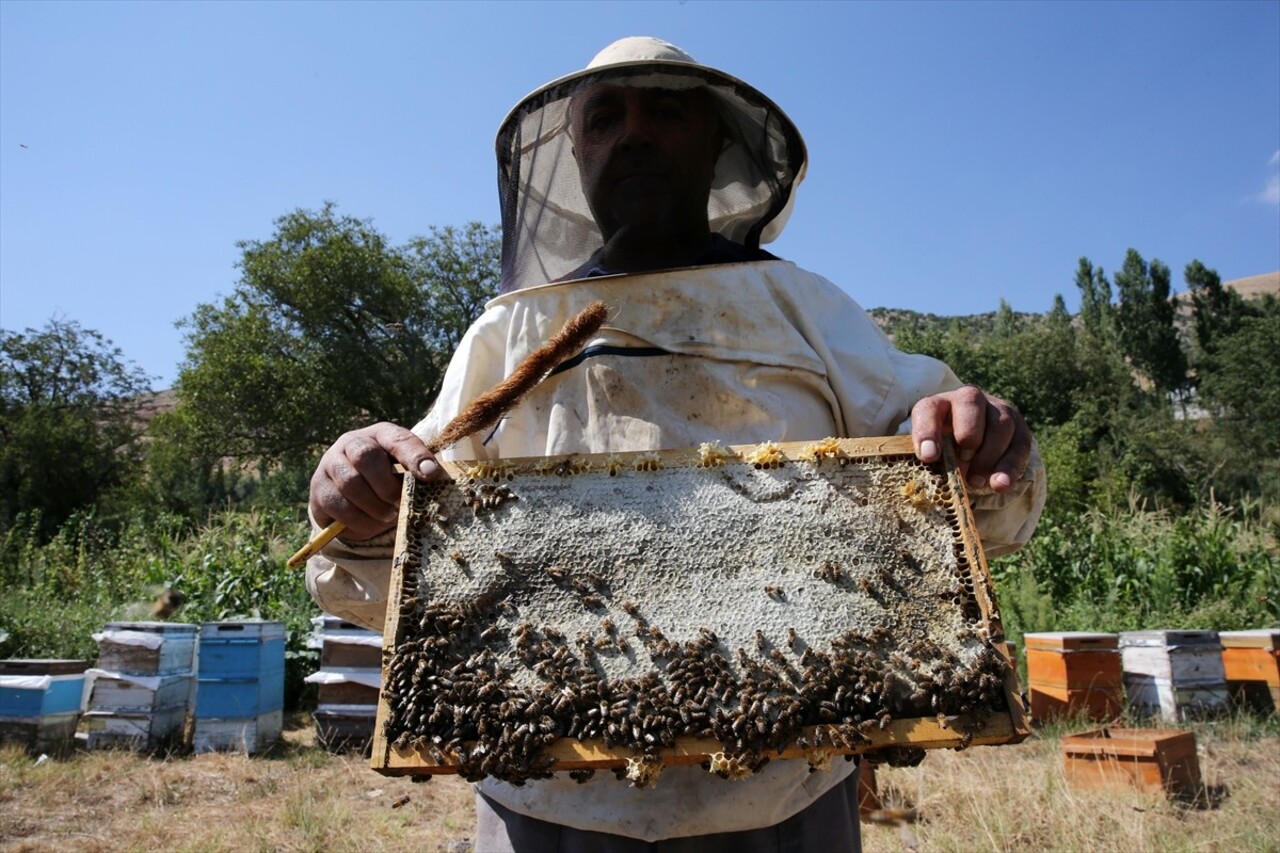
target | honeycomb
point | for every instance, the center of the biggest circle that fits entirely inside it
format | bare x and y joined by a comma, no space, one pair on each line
792,600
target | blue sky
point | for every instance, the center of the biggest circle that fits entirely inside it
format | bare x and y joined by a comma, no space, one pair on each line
960,153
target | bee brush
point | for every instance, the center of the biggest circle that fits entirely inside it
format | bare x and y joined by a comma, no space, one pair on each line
485,410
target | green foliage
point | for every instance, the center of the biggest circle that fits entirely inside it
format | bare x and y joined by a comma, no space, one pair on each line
1216,311
233,567
1145,319
1097,315
330,327
1211,567
1243,385
68,423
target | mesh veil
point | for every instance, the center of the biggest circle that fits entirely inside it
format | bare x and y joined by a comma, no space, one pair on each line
547,226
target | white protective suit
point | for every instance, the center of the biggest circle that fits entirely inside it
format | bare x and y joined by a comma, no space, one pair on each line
750,352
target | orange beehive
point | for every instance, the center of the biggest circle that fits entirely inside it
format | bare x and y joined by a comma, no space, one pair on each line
1251,660
1071,672
1148,759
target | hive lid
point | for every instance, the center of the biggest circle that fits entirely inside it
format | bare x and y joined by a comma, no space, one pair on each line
167,628
245,629
38,666
1070,641
1130,743
337,623
1261,638
1168,638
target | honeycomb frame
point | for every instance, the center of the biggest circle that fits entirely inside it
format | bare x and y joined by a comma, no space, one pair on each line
717,605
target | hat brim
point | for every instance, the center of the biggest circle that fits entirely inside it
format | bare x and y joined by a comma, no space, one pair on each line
675,72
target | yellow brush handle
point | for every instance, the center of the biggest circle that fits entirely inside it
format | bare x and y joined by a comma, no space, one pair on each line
324,537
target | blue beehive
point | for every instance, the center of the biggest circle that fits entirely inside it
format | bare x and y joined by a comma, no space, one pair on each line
34,688
240,685
241,669
40,700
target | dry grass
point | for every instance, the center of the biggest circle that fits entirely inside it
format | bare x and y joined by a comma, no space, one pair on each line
299,798
1017,798
302,798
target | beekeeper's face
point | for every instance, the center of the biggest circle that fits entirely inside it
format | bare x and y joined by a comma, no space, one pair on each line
646,156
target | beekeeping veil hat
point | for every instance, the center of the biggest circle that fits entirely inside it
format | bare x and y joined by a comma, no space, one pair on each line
547,226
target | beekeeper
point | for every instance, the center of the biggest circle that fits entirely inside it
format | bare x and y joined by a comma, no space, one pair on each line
650,182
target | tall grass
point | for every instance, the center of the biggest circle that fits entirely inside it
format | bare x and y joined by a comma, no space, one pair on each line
58,593
1211,567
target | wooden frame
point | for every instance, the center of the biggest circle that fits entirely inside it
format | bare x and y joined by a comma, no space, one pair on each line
927,501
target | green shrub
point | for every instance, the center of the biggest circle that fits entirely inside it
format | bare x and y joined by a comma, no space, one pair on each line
1211,567
59,593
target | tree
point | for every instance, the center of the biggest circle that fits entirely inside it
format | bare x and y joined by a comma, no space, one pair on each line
1145,318
1216,310
329,327
1096,312
1243,389
69,424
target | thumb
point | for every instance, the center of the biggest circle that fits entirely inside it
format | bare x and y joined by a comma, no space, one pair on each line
409,451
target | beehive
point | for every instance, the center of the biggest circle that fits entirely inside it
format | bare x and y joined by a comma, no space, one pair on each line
1173,674
240,690
142,686
1147,759
1251,665
718,606
1074,672
347,684
40,701
147,648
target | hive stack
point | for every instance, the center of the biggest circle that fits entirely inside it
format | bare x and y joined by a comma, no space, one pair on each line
1074,672
40,701
1251,665
1147,759
240,691
1174,674
142,685
348,682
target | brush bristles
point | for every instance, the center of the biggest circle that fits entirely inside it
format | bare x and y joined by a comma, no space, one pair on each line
485,410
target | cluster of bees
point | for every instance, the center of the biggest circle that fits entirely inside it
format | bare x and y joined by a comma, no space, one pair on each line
453,697
476,686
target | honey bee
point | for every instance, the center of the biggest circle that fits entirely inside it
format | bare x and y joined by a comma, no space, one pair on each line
828,571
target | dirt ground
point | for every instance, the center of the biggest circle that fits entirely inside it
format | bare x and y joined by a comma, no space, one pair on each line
302,798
